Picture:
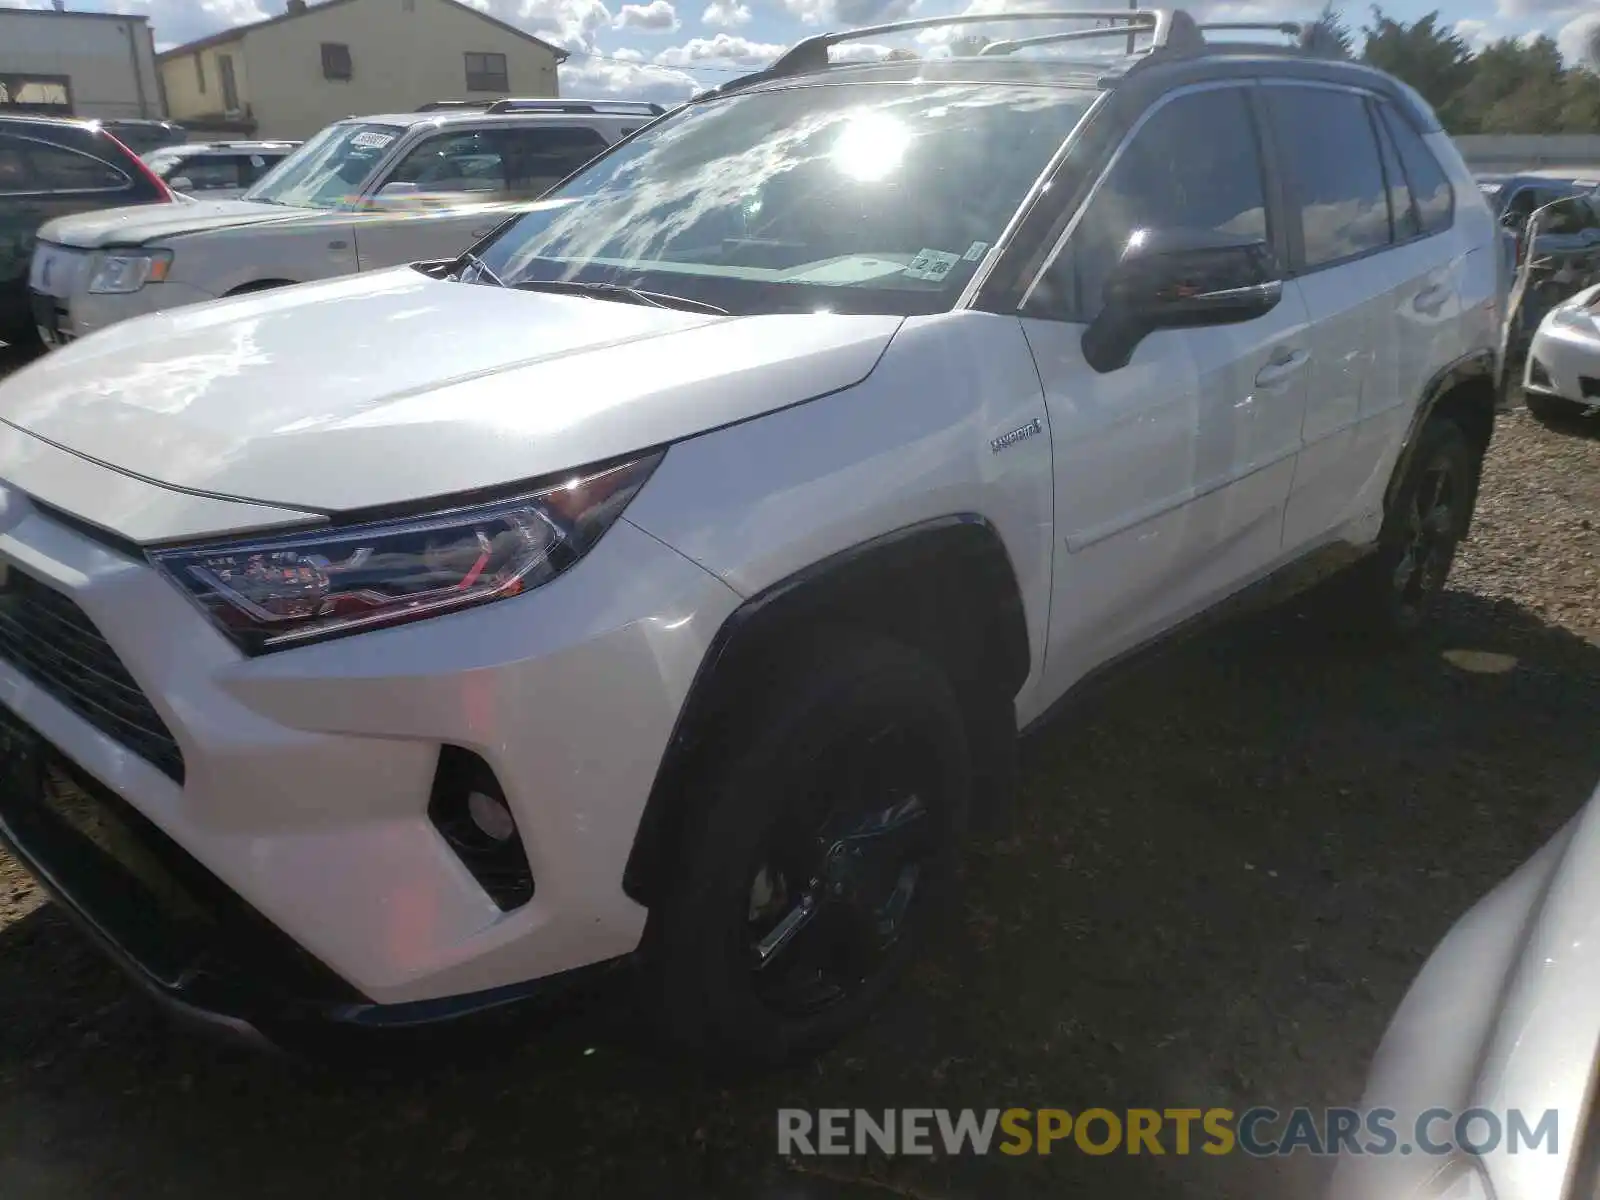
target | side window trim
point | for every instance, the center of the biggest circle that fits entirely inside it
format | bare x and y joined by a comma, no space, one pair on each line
1268,160
1386,114
27,142
1389,160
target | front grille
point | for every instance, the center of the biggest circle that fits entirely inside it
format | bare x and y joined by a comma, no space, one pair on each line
52,641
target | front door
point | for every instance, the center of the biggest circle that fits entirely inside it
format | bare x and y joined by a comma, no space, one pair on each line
1171,473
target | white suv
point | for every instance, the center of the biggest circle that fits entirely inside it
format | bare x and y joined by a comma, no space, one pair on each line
663,581
364,193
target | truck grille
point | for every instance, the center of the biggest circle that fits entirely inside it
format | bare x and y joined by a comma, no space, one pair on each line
52,641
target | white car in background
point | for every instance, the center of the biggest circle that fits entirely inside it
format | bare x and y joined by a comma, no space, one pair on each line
216,170
364,193
1562,375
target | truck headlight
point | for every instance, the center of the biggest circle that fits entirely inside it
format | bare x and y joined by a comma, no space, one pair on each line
120,271
272,593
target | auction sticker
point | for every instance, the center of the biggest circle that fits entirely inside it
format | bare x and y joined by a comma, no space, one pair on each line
932,265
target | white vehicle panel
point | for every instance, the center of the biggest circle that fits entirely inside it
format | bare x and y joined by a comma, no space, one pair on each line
357,724
537,383
1171,475
910,444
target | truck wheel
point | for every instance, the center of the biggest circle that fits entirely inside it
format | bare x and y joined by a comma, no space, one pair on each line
825,848
1397,589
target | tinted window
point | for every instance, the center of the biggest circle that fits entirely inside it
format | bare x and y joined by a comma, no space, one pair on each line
451,163
1335,177
1195,164
538,159
16,175
61,170
211,172
1429,186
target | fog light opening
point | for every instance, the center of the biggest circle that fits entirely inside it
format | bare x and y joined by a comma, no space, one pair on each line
469,809
492,817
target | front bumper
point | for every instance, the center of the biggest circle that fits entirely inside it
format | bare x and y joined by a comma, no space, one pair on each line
64,318
297,822
1565,363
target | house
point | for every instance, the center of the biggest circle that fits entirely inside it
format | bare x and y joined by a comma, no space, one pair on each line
291,74
78,64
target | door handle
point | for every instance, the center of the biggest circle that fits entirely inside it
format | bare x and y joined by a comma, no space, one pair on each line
1431,299
1283,364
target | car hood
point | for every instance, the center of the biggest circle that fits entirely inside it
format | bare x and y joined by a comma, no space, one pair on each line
1504,1016
392,387
146,223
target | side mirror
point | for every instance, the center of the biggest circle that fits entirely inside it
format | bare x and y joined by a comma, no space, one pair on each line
1179,279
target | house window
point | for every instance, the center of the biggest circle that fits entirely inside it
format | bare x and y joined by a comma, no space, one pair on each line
200,73
487,73
230,85
336,61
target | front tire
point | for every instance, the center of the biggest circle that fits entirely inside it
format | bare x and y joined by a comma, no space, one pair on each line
826,846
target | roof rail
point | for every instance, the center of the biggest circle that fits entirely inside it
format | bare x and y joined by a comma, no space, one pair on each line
812,53
1287,28
631,107
436,105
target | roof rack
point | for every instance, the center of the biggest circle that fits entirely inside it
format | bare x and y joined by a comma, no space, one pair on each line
1179,36
546,104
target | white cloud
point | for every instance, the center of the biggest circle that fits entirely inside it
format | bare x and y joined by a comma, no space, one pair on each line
603,79
724,49
727,13
1579,40
850,12
656,17
1476,34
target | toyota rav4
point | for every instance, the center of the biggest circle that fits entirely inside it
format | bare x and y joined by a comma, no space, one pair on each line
664,581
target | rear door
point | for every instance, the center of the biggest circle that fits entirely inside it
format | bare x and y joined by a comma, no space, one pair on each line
1363,298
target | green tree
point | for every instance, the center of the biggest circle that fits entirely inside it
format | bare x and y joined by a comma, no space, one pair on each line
1432,59
1327,35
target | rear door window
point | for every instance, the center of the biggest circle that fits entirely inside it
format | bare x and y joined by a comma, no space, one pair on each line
1335,175
58,169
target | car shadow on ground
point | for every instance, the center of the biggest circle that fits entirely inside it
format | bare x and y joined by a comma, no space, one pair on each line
1223,873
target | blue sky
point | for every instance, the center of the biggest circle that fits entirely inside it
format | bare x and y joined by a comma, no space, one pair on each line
665,49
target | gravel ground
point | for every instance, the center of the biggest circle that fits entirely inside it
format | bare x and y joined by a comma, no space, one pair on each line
1225,872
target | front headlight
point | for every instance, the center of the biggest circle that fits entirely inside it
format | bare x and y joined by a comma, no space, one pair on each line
1575,317
276,592
120,271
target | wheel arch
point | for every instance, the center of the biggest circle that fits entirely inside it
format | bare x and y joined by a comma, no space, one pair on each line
946,586
1464,392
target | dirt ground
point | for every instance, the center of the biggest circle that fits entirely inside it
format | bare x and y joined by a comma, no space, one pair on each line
1224,873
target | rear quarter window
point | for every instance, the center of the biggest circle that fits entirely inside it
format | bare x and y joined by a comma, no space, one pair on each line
1431,192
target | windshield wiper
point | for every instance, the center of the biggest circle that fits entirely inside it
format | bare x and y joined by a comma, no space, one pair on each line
484,271
622,293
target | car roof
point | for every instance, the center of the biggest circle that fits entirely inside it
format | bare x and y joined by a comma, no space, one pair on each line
1177,51
43,122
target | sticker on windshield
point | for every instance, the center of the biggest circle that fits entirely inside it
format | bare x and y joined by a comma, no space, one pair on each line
932,265
371,141
975,251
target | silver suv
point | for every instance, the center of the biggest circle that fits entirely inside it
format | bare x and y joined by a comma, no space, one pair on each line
216,170
364,192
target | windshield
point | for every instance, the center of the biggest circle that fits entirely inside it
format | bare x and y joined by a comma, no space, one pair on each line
328,171
853,197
